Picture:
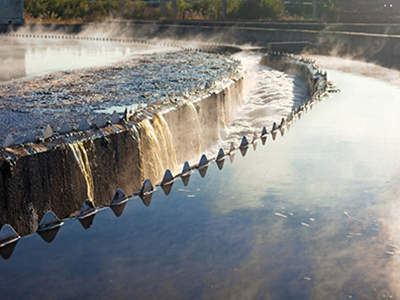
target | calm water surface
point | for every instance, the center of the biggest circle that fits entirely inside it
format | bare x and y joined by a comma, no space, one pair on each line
313,215
29,57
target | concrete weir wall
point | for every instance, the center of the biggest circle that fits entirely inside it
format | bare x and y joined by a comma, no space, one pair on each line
64,170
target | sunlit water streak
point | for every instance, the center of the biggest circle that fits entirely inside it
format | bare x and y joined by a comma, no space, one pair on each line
81,157
157,148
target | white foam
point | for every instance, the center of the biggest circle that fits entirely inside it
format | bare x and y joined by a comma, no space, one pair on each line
269,96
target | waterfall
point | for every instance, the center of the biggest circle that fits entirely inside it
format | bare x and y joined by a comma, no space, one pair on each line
80,154
157,148
166,142
195,137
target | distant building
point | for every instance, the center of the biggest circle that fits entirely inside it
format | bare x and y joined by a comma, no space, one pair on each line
11,11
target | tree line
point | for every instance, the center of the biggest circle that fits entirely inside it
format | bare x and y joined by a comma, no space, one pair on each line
89,11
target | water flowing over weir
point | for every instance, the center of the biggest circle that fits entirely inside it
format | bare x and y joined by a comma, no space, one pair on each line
81,158
154,139
156,148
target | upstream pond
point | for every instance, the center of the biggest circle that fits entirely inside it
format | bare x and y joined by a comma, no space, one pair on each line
311,215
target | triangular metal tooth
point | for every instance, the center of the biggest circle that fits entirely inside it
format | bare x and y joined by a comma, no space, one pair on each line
49,221
282,123
115,117
203,161
193,89
101,122
140,106
207,85
186,168
167,101
232,147
65,128
158,101
30,137
83,125
264,131
173,96
48,133
147,187
132,112
244,143
168,178
9,141
87,209
187,92
119,197
8,235
274,127
220,155
149,104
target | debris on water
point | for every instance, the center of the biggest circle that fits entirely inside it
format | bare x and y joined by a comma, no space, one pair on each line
393,246
280,215
191,196
305,224
346,214
390,253
312,219
307,278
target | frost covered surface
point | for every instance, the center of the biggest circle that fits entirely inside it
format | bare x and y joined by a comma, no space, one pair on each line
69,96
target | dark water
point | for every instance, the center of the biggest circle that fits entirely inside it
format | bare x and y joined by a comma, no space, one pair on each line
312,215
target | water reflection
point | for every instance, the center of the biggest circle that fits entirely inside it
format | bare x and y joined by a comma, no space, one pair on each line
118,209
8,250
49,235
87,221
313,215
28,57
12,60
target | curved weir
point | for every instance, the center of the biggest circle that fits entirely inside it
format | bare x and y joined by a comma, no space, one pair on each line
123,154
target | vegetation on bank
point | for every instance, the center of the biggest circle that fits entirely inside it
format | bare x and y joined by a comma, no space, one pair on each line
78,11
89,11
